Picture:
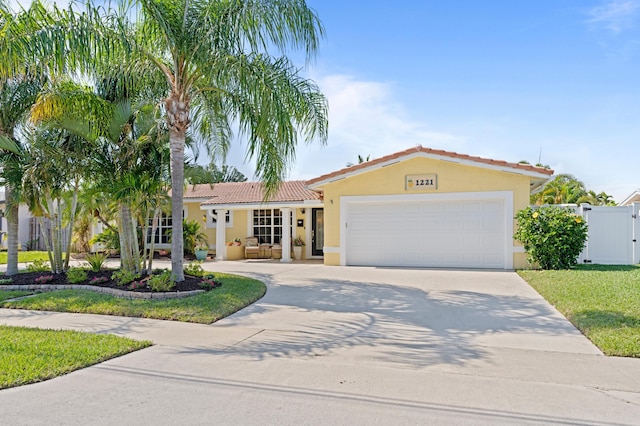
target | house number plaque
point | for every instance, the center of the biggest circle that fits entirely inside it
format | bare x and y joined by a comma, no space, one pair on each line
421,182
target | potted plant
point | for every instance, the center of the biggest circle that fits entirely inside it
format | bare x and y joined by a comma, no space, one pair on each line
298,243
201,250
235,250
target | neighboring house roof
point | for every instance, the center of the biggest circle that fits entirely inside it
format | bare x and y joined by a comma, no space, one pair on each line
540,174
230,193
633,198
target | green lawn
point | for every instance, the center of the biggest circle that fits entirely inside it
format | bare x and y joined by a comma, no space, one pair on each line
235,293
602,301
4,295
30,355
25,256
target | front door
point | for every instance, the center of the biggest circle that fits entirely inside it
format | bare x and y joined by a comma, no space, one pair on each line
317,232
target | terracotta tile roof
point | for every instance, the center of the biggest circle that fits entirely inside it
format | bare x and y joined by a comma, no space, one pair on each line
249,193
420,149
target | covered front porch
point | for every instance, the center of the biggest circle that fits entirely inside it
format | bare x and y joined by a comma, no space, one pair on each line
264,234
289,225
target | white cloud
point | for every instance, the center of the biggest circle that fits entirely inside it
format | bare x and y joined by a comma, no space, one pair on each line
615,15
364,119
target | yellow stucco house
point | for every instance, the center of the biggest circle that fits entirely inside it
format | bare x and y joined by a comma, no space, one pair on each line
415,208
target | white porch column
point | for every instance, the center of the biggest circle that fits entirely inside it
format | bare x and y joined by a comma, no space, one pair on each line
286,234
221,234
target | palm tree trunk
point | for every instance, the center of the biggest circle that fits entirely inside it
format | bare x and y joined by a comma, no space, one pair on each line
154,229
145,249
178,121
135,247
47,239
57,256
53,207
126,262
12,232
72,219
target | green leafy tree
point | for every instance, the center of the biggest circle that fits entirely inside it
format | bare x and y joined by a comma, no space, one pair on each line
553,237
197,174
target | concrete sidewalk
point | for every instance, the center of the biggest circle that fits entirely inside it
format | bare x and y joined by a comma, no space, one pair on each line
332,345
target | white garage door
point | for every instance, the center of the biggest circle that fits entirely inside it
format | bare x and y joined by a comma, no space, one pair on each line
460,234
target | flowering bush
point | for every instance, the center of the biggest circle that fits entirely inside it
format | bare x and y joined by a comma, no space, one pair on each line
136,285
44,279
98,280
209,282
553,237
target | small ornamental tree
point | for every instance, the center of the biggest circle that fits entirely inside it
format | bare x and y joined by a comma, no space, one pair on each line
553,237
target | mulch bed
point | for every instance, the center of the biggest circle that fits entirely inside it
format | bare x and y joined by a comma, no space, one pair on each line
27,278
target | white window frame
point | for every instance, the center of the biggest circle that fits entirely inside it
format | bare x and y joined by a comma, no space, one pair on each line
160,244
273,227
211,221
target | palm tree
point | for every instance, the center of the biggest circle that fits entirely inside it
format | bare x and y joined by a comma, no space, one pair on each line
17,95
601,199
214,56
124,141
564,189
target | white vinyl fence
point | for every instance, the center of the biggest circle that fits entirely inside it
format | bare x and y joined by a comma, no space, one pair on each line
614,234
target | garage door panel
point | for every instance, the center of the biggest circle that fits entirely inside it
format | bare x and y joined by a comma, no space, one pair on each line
426,234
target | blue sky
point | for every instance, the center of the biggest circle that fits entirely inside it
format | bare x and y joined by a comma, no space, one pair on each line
505,79
501,79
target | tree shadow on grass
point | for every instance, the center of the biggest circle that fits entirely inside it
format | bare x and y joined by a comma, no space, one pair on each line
604,319
606,268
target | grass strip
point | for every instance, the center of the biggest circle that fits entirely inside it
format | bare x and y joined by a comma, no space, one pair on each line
25,256
4,295
29,355
235,293
602,301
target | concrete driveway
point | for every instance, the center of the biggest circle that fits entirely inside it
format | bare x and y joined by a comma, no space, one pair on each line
334,345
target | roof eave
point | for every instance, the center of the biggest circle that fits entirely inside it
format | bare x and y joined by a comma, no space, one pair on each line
255,205
318,185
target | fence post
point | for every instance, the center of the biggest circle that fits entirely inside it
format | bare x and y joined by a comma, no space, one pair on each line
635,211
583,212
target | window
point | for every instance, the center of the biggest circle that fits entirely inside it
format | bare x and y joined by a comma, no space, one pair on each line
211,222
267,226
163,232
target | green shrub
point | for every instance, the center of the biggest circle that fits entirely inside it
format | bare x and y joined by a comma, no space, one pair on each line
96,261
5,281
123,277
161,282
76,275
553,237
192,235
194,269
38,265
109,238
